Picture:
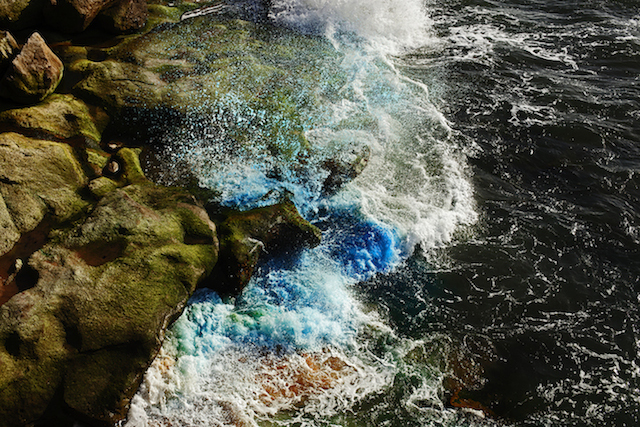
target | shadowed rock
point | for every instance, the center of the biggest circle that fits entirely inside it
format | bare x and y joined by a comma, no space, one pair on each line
8,50
245,236
21,14
73,16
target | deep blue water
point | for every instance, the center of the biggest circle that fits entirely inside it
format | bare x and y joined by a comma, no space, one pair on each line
491,246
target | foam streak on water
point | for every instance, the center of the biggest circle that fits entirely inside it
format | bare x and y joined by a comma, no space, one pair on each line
298,347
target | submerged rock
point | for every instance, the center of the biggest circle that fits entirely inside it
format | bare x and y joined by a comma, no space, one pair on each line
245,236
33,74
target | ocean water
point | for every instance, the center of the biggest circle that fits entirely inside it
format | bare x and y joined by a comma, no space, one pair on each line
483,270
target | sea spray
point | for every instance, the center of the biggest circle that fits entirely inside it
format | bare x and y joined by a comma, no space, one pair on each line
298,347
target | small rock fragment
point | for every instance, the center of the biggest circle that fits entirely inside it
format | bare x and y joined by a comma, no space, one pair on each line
113,168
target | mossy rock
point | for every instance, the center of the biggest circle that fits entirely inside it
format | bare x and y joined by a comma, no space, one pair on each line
37,178
58,117
105,290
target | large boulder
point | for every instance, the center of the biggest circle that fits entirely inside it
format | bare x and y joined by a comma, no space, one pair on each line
245,236
33,74
97,293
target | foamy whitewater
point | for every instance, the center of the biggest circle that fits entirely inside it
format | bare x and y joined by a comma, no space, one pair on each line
298,347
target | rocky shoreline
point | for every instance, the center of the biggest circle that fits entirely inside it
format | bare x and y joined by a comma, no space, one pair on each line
96,261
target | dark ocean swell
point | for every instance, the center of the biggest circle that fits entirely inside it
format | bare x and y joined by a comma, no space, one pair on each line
547,96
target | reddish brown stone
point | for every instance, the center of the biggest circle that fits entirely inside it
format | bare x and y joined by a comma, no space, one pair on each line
33,74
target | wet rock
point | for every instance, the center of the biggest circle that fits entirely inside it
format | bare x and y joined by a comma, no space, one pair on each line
8,50
33,74
73,16
21,14
125,16
245,236
58,117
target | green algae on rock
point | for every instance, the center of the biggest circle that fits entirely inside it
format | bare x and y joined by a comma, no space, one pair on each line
28,197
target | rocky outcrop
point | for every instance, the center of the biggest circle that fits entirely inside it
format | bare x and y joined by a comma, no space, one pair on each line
33,74
246,236
95,298
74,16
209,68
95,260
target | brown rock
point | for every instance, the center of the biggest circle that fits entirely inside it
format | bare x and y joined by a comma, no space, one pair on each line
33,74
125,16
73,16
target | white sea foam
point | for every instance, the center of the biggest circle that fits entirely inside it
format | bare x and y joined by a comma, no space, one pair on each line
295,349
390,24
